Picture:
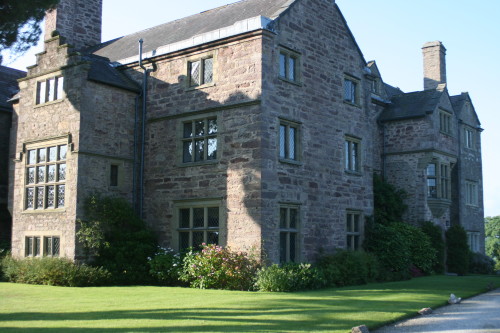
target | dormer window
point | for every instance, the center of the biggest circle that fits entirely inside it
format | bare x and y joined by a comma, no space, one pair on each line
50,90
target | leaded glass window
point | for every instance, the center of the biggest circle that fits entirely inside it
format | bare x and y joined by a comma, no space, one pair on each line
288,141
289,228
197,225
51,246
352,154
45,177
289,65
201,72
32,246
350,91
353,231
199,142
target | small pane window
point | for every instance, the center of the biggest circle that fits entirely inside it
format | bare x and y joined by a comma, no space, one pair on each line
201,72
197,225
350,91
288,141
202,146
50,90
289,65
353,231
352,154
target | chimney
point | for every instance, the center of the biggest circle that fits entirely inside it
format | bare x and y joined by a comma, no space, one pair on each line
434,64
78,21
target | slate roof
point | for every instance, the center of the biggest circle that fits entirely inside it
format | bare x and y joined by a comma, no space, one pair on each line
182,29
392,91
411,105
101,71
458,101
8,85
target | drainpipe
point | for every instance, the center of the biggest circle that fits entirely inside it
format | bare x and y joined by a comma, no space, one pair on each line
143,130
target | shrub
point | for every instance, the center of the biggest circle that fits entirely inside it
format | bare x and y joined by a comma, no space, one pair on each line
391,248
53,272
347,268
422,254
215,267
166,267
457,250
388,201
116,239
289,277
435,234
481,264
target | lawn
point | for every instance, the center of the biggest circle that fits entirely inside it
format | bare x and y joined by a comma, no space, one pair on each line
163,309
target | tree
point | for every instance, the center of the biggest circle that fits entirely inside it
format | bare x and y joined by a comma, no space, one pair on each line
20,22
492,228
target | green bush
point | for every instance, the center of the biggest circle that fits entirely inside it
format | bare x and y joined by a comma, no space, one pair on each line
422,254
435,234
215,267
457,250
166,267
391,248
481,264
116,239
347,268
53,272
388,201
289,277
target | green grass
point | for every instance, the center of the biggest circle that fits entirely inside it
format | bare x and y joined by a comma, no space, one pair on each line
30,308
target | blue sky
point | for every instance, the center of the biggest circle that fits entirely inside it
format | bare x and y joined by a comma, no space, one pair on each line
391,32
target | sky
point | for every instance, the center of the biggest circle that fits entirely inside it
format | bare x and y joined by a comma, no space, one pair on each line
391,32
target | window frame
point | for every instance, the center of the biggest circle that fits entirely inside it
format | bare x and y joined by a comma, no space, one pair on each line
191,228
205,138
445,123
442,180
289,55
35,184
353,97
43,88
201,74
473,241
352,163
51,240
33,246
284,154
353,216
287,253
472,193
469,138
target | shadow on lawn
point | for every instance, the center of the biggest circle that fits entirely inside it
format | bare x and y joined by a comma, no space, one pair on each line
298,315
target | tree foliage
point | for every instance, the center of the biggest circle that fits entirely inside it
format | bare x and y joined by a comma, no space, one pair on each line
20,22
389,202
457,250
492,229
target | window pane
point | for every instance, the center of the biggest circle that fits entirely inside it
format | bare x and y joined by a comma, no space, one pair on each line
42,154
30,198
29,246
60,87
282,65
187,151
30,179
40,171
198,239
293,218
113,175
51,173
283,212
39,197
62,152
36,248
52,154
194,74
52,89
213,217
347,156
431,170
291,142
356,222
213,238
349,242
61,171
282,141
51,196
48,246
56,246
292,63
354,157
32,156
42,92
212,149
208,70
293,246
188,130
184,240
212,126
199,152
349,223
60,195
198,217
199,128
283,246
356,242
184,218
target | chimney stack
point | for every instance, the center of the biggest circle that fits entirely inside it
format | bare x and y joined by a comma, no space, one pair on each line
78,21
434,64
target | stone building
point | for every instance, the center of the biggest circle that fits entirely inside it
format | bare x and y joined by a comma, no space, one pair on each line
257,125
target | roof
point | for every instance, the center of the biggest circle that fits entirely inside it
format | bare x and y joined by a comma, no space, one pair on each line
187,28
392,91
8,85
101,71
411,105
458,102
